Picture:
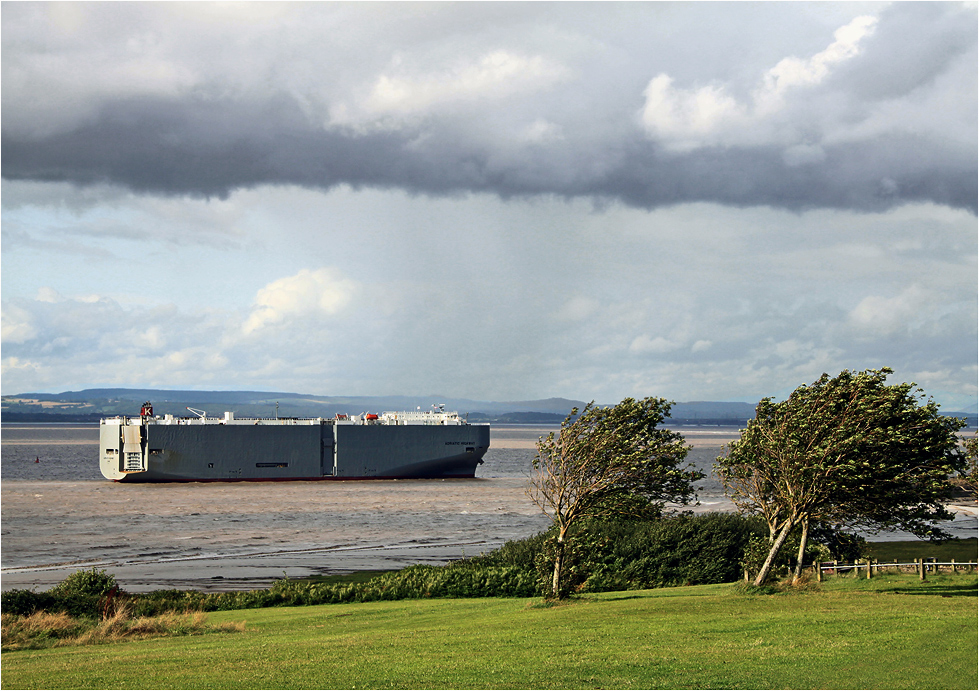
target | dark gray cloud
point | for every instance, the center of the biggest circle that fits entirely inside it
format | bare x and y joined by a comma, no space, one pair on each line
211,150
891,123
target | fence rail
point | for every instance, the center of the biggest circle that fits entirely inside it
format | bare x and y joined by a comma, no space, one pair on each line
868,567
871,566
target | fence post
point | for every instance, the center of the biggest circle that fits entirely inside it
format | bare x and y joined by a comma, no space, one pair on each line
953,567
870,568
921,567
819,572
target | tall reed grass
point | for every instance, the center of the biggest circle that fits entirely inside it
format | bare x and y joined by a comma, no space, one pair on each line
55,629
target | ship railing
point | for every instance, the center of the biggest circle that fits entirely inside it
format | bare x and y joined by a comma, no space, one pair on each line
173,420
428,417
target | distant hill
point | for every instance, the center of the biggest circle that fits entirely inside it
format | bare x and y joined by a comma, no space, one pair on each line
99,402
91,404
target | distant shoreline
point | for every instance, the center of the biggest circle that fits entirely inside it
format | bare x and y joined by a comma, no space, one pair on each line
524,420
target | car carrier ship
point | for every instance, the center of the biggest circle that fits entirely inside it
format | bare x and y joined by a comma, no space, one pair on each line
419,444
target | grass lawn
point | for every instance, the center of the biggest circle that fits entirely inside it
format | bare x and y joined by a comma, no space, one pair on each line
889,632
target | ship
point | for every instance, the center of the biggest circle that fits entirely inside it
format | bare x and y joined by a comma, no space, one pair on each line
391,445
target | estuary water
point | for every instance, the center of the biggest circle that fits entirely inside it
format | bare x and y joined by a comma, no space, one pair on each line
60,515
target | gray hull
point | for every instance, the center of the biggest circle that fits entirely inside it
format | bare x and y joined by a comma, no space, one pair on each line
265,452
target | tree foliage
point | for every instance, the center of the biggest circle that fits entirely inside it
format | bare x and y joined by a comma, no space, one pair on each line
969,479
609,461
847,451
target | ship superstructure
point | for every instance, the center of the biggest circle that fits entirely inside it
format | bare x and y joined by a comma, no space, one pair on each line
410,444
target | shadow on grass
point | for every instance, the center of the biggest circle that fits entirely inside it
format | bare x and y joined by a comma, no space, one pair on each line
620,597
546,603
943,590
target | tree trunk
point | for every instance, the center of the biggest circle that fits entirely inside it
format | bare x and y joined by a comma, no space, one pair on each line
802,550
776,546
558,563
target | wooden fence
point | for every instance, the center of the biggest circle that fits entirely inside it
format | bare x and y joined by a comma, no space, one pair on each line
868,567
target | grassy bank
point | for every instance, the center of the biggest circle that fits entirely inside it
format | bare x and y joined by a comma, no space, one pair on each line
890,632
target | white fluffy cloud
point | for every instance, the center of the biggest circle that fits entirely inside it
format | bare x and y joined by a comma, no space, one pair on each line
16,325
793,72
882,316
308,295
684,119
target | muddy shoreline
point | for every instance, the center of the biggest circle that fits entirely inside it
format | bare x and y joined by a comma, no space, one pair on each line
216,536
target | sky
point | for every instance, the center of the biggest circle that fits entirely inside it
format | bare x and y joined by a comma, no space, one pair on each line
499,201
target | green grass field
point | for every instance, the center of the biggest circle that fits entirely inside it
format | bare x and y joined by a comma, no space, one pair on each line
889,632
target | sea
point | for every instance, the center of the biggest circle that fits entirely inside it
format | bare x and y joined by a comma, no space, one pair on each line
58,515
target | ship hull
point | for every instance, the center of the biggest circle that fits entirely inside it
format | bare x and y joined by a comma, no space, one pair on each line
283,452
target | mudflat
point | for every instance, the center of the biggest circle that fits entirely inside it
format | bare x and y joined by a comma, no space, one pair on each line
235,535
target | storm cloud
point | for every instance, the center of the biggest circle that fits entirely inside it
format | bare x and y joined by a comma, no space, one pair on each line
543,102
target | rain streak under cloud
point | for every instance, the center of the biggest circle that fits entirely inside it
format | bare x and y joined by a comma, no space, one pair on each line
498,201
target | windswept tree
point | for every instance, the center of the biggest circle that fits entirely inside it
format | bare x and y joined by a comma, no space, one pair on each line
844,451
609,461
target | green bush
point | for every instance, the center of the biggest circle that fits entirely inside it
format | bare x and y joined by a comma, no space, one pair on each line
82,594
161,601
681,550
25,602
519,553
94,583
461,579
